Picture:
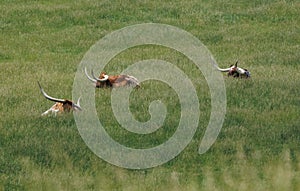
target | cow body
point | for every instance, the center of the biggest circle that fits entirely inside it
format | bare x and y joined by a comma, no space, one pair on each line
113,81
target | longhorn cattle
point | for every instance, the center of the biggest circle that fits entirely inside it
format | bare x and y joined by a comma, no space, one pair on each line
105,80
61,105
235,71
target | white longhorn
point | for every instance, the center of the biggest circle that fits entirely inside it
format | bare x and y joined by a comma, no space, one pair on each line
233,70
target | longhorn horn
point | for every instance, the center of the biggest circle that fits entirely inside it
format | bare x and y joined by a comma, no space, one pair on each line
49,97
217,67
92,72
91,79
77,105
237,61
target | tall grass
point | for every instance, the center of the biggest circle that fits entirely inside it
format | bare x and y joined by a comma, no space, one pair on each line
257,148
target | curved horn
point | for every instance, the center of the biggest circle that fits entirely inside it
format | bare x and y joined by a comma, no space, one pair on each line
49,97
217,67
91,79
98,79
92,72
224,70
237,61
77,105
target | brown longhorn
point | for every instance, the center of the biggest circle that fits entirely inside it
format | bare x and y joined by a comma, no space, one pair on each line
61,105
105,80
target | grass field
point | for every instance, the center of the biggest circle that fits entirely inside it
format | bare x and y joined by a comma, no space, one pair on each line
258,147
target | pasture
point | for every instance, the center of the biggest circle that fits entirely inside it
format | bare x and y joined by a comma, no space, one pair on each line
258,147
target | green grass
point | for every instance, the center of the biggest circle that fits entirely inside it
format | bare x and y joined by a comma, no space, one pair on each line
258,147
